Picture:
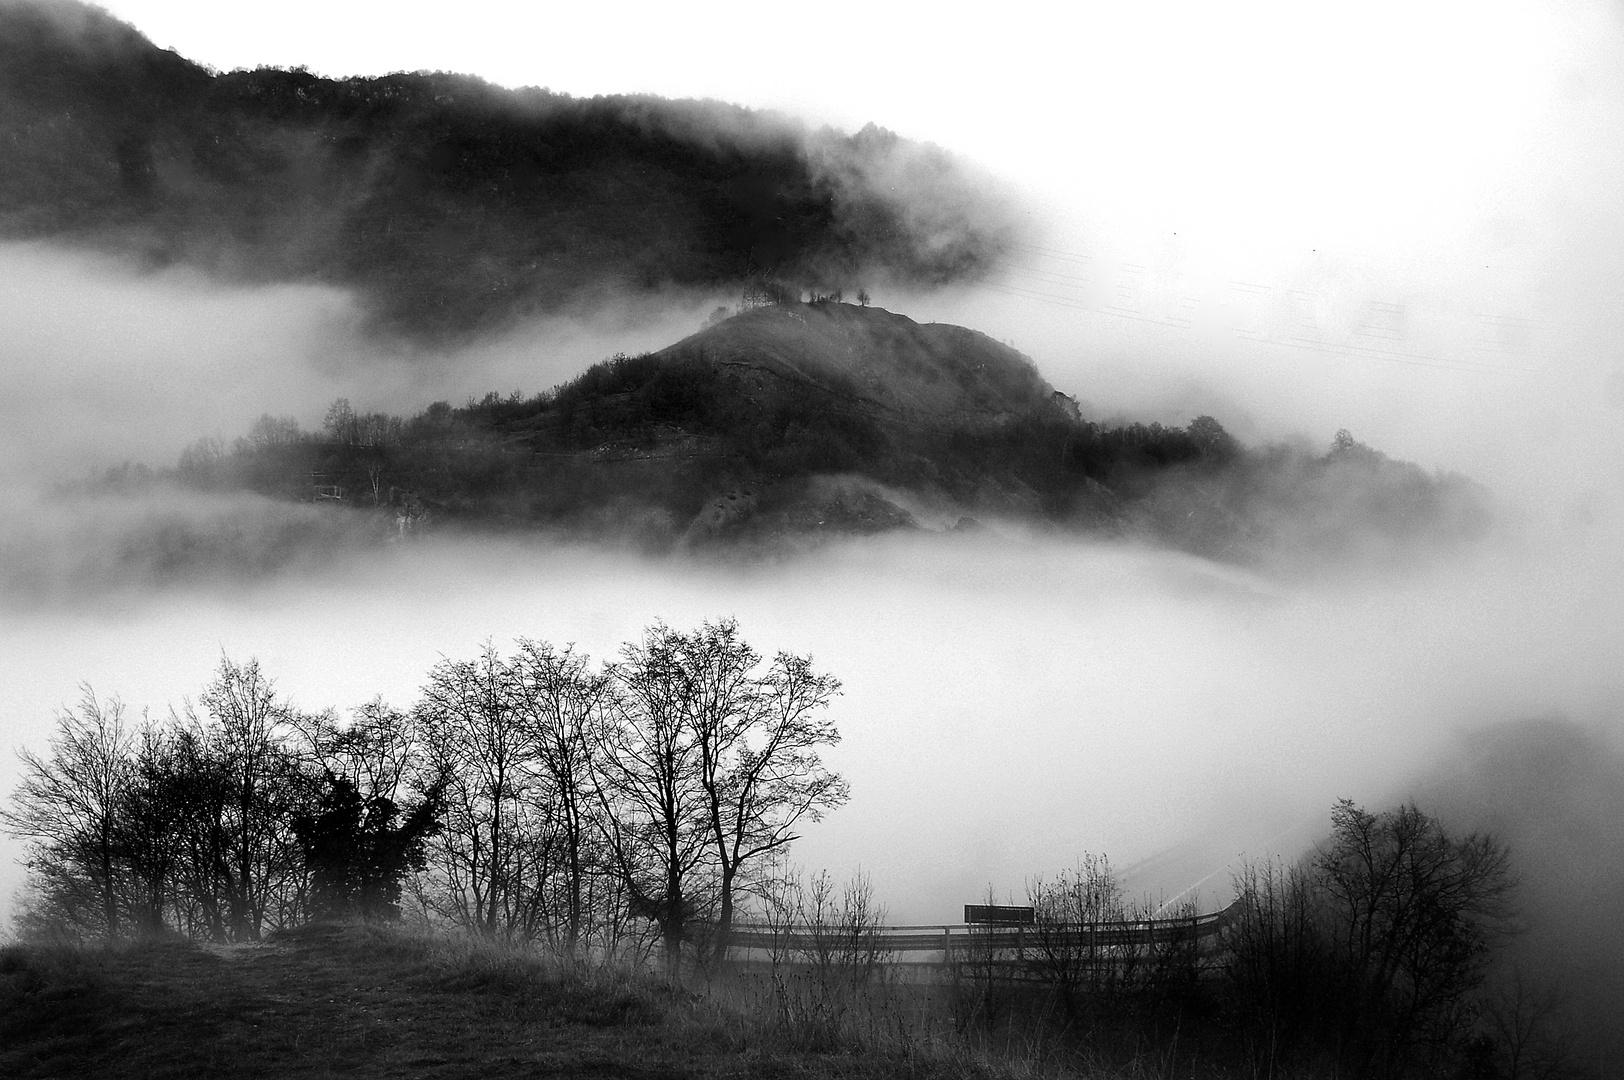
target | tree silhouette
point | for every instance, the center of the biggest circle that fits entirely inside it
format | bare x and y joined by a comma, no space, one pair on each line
359,849
68,807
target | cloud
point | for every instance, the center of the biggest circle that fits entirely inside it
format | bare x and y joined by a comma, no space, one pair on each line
106,361
1552,790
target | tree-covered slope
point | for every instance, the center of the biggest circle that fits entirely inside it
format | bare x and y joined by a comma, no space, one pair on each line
802,419
451,204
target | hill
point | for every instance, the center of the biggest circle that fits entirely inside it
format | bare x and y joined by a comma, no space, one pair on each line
370,1001
451,205
934,372
794,420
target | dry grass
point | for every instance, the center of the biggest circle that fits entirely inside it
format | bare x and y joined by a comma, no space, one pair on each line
367,1001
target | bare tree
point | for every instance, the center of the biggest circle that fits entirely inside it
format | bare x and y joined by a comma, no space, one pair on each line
758,740
341,424
151,829
1070,932
1372,949
559,699
375,751
1276,961
649,760
68,806
246,785
1412,912
834,930
1524,1018
712,764
827,951
492,839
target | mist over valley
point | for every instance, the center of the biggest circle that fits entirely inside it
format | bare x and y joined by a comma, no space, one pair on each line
357,375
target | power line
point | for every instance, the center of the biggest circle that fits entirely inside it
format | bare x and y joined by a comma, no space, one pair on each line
1054,253
1331,348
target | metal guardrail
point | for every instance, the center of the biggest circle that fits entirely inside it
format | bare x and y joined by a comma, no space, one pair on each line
948,938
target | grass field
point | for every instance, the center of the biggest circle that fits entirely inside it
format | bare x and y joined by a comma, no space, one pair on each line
364,1001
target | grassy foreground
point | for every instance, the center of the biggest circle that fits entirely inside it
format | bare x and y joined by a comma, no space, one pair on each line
365,1001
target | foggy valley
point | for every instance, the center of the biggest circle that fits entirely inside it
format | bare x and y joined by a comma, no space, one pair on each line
1179,661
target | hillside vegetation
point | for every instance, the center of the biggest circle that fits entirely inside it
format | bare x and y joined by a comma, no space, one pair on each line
368,1001
450,204
796,420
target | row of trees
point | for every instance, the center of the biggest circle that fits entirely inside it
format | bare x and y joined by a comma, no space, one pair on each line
631,805
762,293
207,461
533,796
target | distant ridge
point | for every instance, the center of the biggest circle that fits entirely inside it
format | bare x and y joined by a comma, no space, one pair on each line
792,421
454,206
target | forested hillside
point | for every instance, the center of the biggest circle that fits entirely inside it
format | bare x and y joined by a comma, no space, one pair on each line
453,205
795,420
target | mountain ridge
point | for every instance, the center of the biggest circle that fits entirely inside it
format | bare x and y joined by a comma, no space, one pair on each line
791,421
452,206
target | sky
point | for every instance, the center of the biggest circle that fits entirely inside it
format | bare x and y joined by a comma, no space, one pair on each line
1397,218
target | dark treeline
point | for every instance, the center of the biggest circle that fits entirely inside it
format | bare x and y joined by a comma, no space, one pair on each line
535,797
637,436
637,447
453,205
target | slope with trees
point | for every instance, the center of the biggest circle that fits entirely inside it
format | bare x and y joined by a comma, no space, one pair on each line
797,420
453,206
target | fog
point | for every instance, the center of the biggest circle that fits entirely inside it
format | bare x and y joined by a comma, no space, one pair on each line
105,363
1009,702
1012,699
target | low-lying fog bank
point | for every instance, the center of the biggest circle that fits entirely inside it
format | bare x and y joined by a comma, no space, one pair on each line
1010,702
105,362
